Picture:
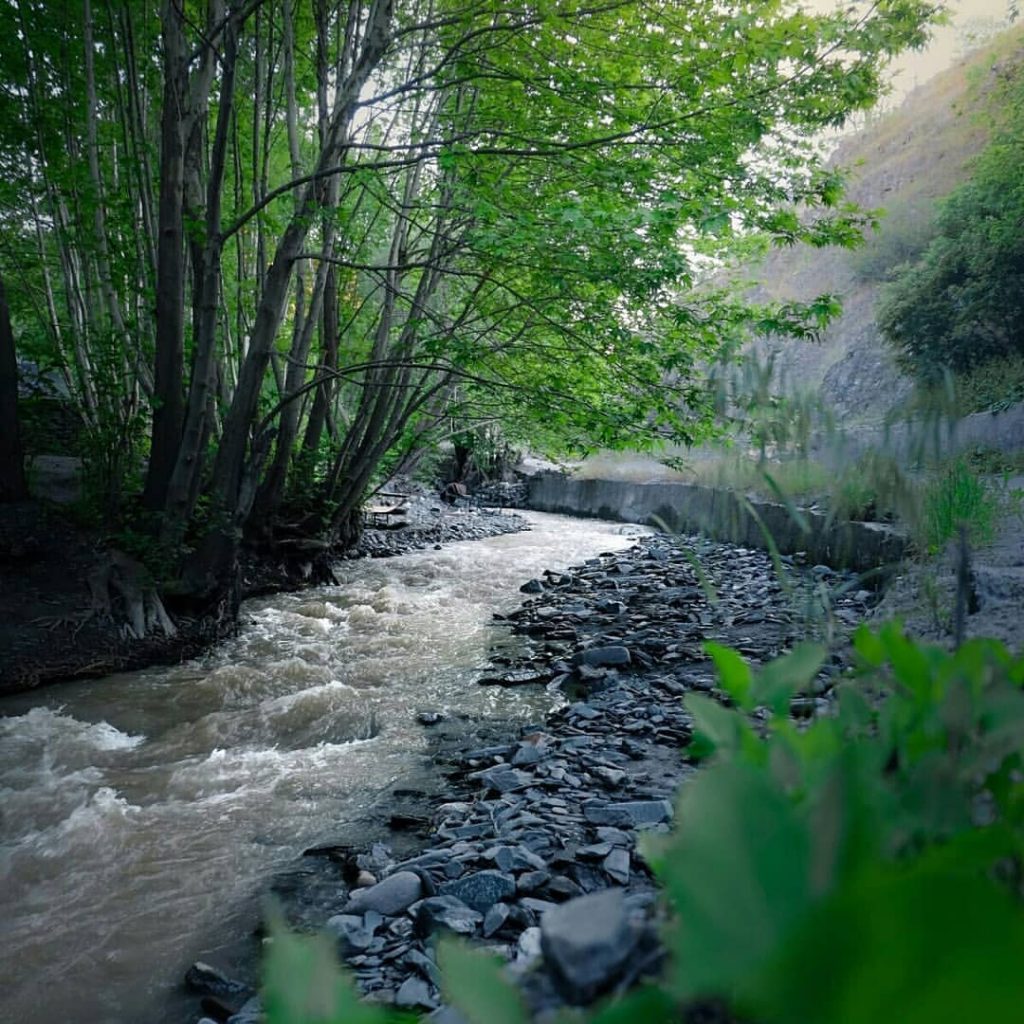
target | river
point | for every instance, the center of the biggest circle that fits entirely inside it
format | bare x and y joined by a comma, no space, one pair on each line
141,814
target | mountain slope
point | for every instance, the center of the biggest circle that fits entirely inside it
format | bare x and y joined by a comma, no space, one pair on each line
901,162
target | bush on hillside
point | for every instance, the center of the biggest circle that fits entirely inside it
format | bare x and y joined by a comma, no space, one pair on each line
904,232
961,305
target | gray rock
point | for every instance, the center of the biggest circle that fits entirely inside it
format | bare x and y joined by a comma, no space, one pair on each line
481,890
616,865
634,813
502,857
396,893
251,1012
532,587
415,992
496,917
527,753
352,934
610,776
531,881
430,717
529,945
539,907
504,779
422,963
208,981
588,941
612,656
449,912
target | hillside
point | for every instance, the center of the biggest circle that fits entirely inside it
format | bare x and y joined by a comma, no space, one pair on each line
901,163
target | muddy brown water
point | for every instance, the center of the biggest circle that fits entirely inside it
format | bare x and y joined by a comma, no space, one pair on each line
140,814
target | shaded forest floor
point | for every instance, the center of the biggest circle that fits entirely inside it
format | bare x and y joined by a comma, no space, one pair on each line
50,632
48,629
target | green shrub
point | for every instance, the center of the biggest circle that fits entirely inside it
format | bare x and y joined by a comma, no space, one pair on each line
961,304
902,235
863,868
957,496
993,386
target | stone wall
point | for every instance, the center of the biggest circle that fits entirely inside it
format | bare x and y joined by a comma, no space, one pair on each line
722,515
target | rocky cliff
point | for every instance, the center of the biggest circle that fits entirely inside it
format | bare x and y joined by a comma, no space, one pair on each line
901,162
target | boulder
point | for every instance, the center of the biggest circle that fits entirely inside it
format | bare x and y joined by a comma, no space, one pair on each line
587,942
396,893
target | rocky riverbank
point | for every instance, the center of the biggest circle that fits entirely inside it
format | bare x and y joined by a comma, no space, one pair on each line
51,629
529,845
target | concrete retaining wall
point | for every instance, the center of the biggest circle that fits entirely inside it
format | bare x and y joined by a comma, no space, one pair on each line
722,515
923,440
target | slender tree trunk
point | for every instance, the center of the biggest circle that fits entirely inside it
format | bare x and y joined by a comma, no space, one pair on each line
325,390
169,407
12,458
233,489
184,484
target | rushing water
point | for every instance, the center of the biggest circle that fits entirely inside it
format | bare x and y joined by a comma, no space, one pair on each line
139,813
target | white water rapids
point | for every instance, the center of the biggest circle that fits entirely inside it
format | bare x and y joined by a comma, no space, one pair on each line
140,813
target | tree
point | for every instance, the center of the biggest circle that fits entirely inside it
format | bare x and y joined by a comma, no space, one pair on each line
12,458
368,219
961,305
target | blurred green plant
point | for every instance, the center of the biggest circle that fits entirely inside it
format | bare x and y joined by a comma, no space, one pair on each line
865,866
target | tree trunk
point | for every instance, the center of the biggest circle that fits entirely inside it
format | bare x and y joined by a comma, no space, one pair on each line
12,459
212,563
169,406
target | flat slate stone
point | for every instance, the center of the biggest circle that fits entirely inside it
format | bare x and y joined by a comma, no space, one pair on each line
496,917
449,912
481,890
616,865
504,779
350,931
631,814
415,992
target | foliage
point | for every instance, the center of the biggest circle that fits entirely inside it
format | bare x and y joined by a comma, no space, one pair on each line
993,386
904,232
863,849
993,460
866,866
513,229
955,496
962,304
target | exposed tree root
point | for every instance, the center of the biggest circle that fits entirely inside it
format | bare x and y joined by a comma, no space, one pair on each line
120,583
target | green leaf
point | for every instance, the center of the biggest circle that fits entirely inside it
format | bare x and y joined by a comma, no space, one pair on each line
776,683
303,984
924,946
733,673
647,1004
737,879
474,984
717,730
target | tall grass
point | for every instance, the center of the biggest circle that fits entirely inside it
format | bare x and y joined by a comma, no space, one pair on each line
953,497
